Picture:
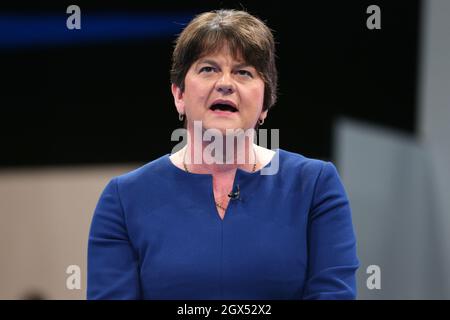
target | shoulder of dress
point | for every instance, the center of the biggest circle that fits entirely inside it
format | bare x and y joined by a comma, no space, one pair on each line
147,171
296,161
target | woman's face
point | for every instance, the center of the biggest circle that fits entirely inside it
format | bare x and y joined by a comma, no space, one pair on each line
216,79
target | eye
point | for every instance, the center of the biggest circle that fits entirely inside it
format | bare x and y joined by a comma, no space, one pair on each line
244,72
207,69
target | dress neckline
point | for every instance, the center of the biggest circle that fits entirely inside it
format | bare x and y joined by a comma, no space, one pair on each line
238,170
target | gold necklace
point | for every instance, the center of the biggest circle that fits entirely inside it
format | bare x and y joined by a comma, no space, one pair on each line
217,204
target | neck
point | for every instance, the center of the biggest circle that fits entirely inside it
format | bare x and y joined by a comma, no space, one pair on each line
219,157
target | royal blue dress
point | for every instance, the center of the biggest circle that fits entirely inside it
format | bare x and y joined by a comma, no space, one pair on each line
156,234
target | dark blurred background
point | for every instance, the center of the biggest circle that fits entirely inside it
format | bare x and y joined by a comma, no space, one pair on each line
102,94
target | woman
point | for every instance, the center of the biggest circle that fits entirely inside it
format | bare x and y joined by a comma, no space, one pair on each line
198,224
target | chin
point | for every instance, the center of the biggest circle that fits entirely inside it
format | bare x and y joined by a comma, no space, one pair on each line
221,125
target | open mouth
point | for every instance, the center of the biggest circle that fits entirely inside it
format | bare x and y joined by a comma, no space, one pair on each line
223,107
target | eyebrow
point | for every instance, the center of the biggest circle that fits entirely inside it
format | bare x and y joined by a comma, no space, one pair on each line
214,63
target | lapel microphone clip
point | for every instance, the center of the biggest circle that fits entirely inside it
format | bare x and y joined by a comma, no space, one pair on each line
236,194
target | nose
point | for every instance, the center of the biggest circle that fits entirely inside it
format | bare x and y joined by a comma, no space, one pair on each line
225,85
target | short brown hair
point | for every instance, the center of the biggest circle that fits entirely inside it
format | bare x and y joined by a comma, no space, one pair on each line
242,32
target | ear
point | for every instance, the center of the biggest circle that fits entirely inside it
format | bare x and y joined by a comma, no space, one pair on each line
263,115
178,98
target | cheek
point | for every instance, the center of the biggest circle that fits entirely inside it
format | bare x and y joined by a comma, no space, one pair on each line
195,91
257,96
